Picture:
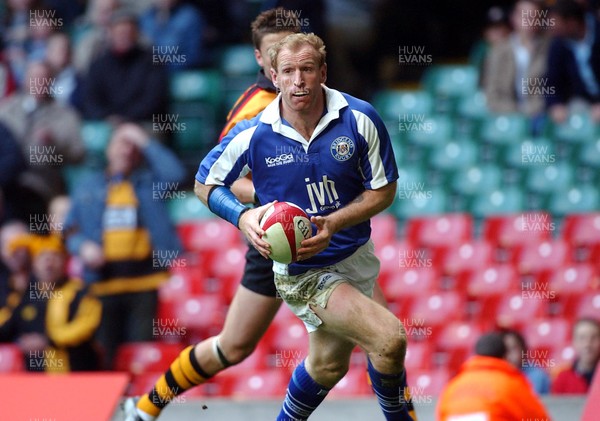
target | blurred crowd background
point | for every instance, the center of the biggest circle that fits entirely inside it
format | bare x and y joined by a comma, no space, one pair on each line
108,106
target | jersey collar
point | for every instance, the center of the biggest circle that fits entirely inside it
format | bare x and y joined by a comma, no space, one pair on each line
334,102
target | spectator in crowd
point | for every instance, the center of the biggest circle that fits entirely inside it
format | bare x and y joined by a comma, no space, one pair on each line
573,60
121,233
48,133
58,56
489,387
92,38
15,266
517,355
514,68
17,36
56,319
175,31
586,343
7,81
12,164
124,84
496,31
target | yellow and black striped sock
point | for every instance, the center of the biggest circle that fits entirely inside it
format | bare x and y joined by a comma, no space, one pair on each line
183,374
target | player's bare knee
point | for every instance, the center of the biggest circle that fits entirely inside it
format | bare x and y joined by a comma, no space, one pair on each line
390,348
237,352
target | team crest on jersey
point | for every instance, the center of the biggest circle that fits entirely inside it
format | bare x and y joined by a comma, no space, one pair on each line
342,148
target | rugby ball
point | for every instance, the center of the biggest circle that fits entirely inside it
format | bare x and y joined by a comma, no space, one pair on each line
285,226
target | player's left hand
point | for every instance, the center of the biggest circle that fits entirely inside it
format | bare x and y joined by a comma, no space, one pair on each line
318,242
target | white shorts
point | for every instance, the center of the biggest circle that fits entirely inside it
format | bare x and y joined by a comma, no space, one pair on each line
314,287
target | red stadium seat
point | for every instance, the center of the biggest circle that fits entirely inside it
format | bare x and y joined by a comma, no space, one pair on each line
143,383
542,258
436,309
589,306
457,341
508,233
419,355
206,235
582,230
461,260
546,334
383,229
288,344
572,282
426,384
201,315
228,268
517,309
396,255
408,283
252,384
11,358
440,231
561,356
487,286
354,384
143,357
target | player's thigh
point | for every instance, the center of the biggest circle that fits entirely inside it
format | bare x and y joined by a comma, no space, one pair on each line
358,319
248,318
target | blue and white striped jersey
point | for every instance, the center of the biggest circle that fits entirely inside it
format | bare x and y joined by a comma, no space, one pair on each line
349,151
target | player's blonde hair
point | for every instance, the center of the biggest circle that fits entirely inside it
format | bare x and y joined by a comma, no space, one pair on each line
295,41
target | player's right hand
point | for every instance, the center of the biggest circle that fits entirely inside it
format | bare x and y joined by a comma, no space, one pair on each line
249,224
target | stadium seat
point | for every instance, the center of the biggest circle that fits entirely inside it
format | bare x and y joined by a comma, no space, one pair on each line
428,132
195,133
473,108
562,355
383,229
542,258
354,384
571,282
201,315
451,81
426,384
392,104
476,179
487,286
578,128
186,209
466,257
516,311
196,86
590,154
498,201
260,384
456,341
528,153
577,199
454,155
389,258
11,358
550,178
228,269
144,357
408,283
288,344
440,231
183,282
508,233
238,60
212,234
419,203
582,230
419,356
437,309
504,129
142,383
95,136
589,306
544,335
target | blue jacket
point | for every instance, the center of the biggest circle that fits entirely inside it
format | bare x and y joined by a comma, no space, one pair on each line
84,221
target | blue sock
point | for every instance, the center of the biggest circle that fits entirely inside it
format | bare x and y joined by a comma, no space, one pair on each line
302,397
388,388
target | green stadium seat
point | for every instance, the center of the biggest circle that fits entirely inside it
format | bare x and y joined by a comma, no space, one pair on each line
196,86
429,132
414,203
454,155
188,208
550,178
95,136
473,107
575,199
498,201
504,128
590,154
476,179
579,128
393,104
529,152
195,134
238,60
451,80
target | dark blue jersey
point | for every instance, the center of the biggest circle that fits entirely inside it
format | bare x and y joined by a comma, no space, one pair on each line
349,152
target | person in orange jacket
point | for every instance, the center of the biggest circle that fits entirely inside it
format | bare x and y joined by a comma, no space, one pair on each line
489,388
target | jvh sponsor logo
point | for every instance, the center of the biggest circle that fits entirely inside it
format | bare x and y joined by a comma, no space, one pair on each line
167,191
287,18
536,222
42,291
413,190
44,18
45,155
165,328
414,55
168,123
166,259
414,123
167,55
537,86
536,154
44,86
536,18
322,195
44,360
41,222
